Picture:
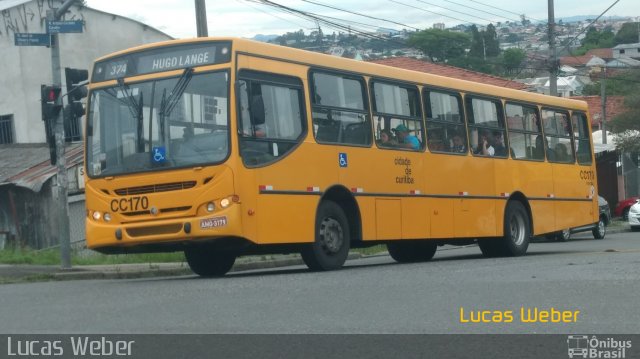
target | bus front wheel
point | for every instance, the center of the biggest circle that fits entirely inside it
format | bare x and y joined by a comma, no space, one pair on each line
207,262
330,249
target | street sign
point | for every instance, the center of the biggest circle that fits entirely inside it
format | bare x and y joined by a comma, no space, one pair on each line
64,26
27,39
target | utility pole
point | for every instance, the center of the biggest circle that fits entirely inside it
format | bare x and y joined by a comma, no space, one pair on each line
603,98
553,65
61,177
201,18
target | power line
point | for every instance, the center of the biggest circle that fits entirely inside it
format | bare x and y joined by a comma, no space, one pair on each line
429,11
566,47
359,14
486,12
459,12
270,14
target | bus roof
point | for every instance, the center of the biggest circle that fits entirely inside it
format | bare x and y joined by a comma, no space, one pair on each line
365,68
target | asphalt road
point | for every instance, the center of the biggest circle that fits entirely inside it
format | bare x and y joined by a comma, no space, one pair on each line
600,279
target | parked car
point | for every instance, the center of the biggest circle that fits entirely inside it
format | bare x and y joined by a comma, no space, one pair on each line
634,216
598,229
622,209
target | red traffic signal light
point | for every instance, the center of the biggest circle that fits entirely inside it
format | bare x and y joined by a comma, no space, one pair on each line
50,98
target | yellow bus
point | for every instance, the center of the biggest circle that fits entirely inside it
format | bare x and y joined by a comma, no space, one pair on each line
222,147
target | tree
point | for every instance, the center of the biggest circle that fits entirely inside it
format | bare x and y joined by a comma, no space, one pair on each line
629,33
491,43
440,45
627,124
477,48
512,58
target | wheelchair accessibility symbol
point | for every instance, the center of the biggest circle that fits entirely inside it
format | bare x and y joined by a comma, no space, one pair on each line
342,160
159,154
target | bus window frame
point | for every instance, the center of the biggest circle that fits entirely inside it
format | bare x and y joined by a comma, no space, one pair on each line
426,103
468,106
374,112
589,137
264,78
361,78
540,133
567,113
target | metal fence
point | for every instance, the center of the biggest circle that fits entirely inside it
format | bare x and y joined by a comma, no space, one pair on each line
6,129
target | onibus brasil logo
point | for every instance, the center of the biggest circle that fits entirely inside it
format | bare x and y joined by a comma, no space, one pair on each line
583,346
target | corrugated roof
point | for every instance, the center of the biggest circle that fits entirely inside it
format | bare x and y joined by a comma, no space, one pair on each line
449,71
28,166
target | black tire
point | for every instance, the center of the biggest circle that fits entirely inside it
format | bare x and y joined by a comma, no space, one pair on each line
625,213
600,230
332,241
563,236
412,251
207,262
490,247
517,233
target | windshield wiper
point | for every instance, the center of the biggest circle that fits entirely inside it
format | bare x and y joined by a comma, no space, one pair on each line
168,103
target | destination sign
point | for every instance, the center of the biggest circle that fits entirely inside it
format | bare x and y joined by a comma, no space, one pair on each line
162,59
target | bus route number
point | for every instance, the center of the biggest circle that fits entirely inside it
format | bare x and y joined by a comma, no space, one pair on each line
118,70
130,204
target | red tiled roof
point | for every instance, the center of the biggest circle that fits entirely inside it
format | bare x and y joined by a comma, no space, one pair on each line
604,54
601,53
449,71
615,106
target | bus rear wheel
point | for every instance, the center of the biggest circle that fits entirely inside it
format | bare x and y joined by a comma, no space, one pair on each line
517,232
412,251
331,246
206,262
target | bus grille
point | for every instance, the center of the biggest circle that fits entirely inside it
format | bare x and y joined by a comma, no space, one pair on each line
163,210
154,230
163,187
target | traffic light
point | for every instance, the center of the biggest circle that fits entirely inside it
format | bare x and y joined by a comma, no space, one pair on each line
76,90
76,83
49,97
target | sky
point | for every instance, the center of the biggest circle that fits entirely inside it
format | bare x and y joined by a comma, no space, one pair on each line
247,18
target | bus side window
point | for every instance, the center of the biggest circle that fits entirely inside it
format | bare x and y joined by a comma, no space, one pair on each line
271,120
398,115
525,134
340,110
581,138
445,122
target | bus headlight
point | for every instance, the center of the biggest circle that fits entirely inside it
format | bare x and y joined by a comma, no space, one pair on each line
211,207
107,217
96,215
225,202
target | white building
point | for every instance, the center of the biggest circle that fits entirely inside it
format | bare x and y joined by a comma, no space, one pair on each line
25,68
628,50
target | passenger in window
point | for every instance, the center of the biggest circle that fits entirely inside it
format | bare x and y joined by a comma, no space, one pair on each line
498,144
561,152
538,152
458,145
405,138
387,139
484,145
435,142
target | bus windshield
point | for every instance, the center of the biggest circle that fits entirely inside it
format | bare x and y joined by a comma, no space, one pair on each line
160,124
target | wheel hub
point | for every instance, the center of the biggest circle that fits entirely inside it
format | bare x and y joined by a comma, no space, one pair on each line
331,235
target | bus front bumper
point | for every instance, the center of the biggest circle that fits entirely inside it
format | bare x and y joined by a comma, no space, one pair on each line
179,231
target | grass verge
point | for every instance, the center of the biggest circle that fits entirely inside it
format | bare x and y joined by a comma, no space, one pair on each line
52,257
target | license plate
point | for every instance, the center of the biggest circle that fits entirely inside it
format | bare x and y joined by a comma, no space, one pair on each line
213,222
